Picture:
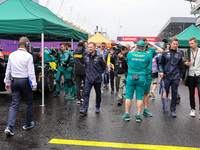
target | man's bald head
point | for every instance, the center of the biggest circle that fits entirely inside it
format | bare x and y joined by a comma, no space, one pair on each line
22,42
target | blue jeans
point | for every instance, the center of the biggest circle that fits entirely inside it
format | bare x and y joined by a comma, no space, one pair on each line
20,88
106,78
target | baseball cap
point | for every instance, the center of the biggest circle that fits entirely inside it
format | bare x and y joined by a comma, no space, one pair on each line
141,43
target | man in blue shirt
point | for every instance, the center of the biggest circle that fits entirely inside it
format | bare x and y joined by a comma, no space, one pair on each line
103,51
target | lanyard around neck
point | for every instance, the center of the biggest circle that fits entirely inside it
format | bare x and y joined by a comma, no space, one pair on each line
194,57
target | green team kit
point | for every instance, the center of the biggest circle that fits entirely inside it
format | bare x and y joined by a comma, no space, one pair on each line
149,70
138,62
67,59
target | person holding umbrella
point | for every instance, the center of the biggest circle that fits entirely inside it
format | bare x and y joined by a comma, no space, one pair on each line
171,70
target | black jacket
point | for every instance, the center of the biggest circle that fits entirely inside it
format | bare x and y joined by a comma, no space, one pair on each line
79,62
186,68
120,64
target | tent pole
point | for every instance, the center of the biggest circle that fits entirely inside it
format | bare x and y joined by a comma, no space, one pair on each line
72,43
42,41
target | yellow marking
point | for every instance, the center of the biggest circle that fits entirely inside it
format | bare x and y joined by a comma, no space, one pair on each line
119,145
138,55
78,56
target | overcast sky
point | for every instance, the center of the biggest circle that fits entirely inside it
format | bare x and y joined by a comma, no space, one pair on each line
136,17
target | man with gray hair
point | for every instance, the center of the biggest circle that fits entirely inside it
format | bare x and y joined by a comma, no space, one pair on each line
20,78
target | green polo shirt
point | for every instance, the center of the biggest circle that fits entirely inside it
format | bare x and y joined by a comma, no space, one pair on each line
138,62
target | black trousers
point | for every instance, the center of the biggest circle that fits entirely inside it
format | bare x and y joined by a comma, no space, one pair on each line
112,75
79,79
192,83
88,87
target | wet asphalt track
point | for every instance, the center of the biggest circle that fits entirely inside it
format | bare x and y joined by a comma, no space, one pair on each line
60,119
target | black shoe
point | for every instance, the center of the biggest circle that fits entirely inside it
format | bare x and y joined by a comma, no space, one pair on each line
112,91
57,94
120,102
178,101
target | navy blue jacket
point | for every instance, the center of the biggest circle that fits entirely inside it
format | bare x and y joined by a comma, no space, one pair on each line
94,65
171,64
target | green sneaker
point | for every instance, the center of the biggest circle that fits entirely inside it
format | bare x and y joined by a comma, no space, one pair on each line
126,117
69,97
147,113
138,119
136,115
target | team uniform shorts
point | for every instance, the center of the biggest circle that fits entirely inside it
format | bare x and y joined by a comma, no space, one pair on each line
135,85
148,84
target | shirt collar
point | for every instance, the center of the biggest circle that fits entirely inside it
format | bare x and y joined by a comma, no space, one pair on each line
22,49
139,50
193,50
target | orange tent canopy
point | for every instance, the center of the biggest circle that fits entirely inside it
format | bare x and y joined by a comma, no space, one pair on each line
98,38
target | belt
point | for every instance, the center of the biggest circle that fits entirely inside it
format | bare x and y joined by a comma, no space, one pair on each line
20,78
196,75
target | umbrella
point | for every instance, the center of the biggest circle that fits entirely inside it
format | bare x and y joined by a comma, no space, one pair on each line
164,98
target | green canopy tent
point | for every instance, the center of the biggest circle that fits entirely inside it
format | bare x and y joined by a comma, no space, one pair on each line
27,18
183,37
30,18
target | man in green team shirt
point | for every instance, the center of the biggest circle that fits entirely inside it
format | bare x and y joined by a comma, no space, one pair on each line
138,61
62,61
152,51
70,74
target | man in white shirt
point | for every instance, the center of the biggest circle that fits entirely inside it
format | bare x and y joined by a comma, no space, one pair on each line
20,78
192,61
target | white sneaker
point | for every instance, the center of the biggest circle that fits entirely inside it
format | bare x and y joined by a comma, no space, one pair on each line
192,113
153,95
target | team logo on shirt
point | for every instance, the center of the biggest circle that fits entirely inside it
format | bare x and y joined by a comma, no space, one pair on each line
176,55
168,55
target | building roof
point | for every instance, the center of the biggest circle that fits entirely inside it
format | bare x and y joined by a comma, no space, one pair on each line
175,25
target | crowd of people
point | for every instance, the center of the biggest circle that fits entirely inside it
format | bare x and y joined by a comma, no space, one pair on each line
124,69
